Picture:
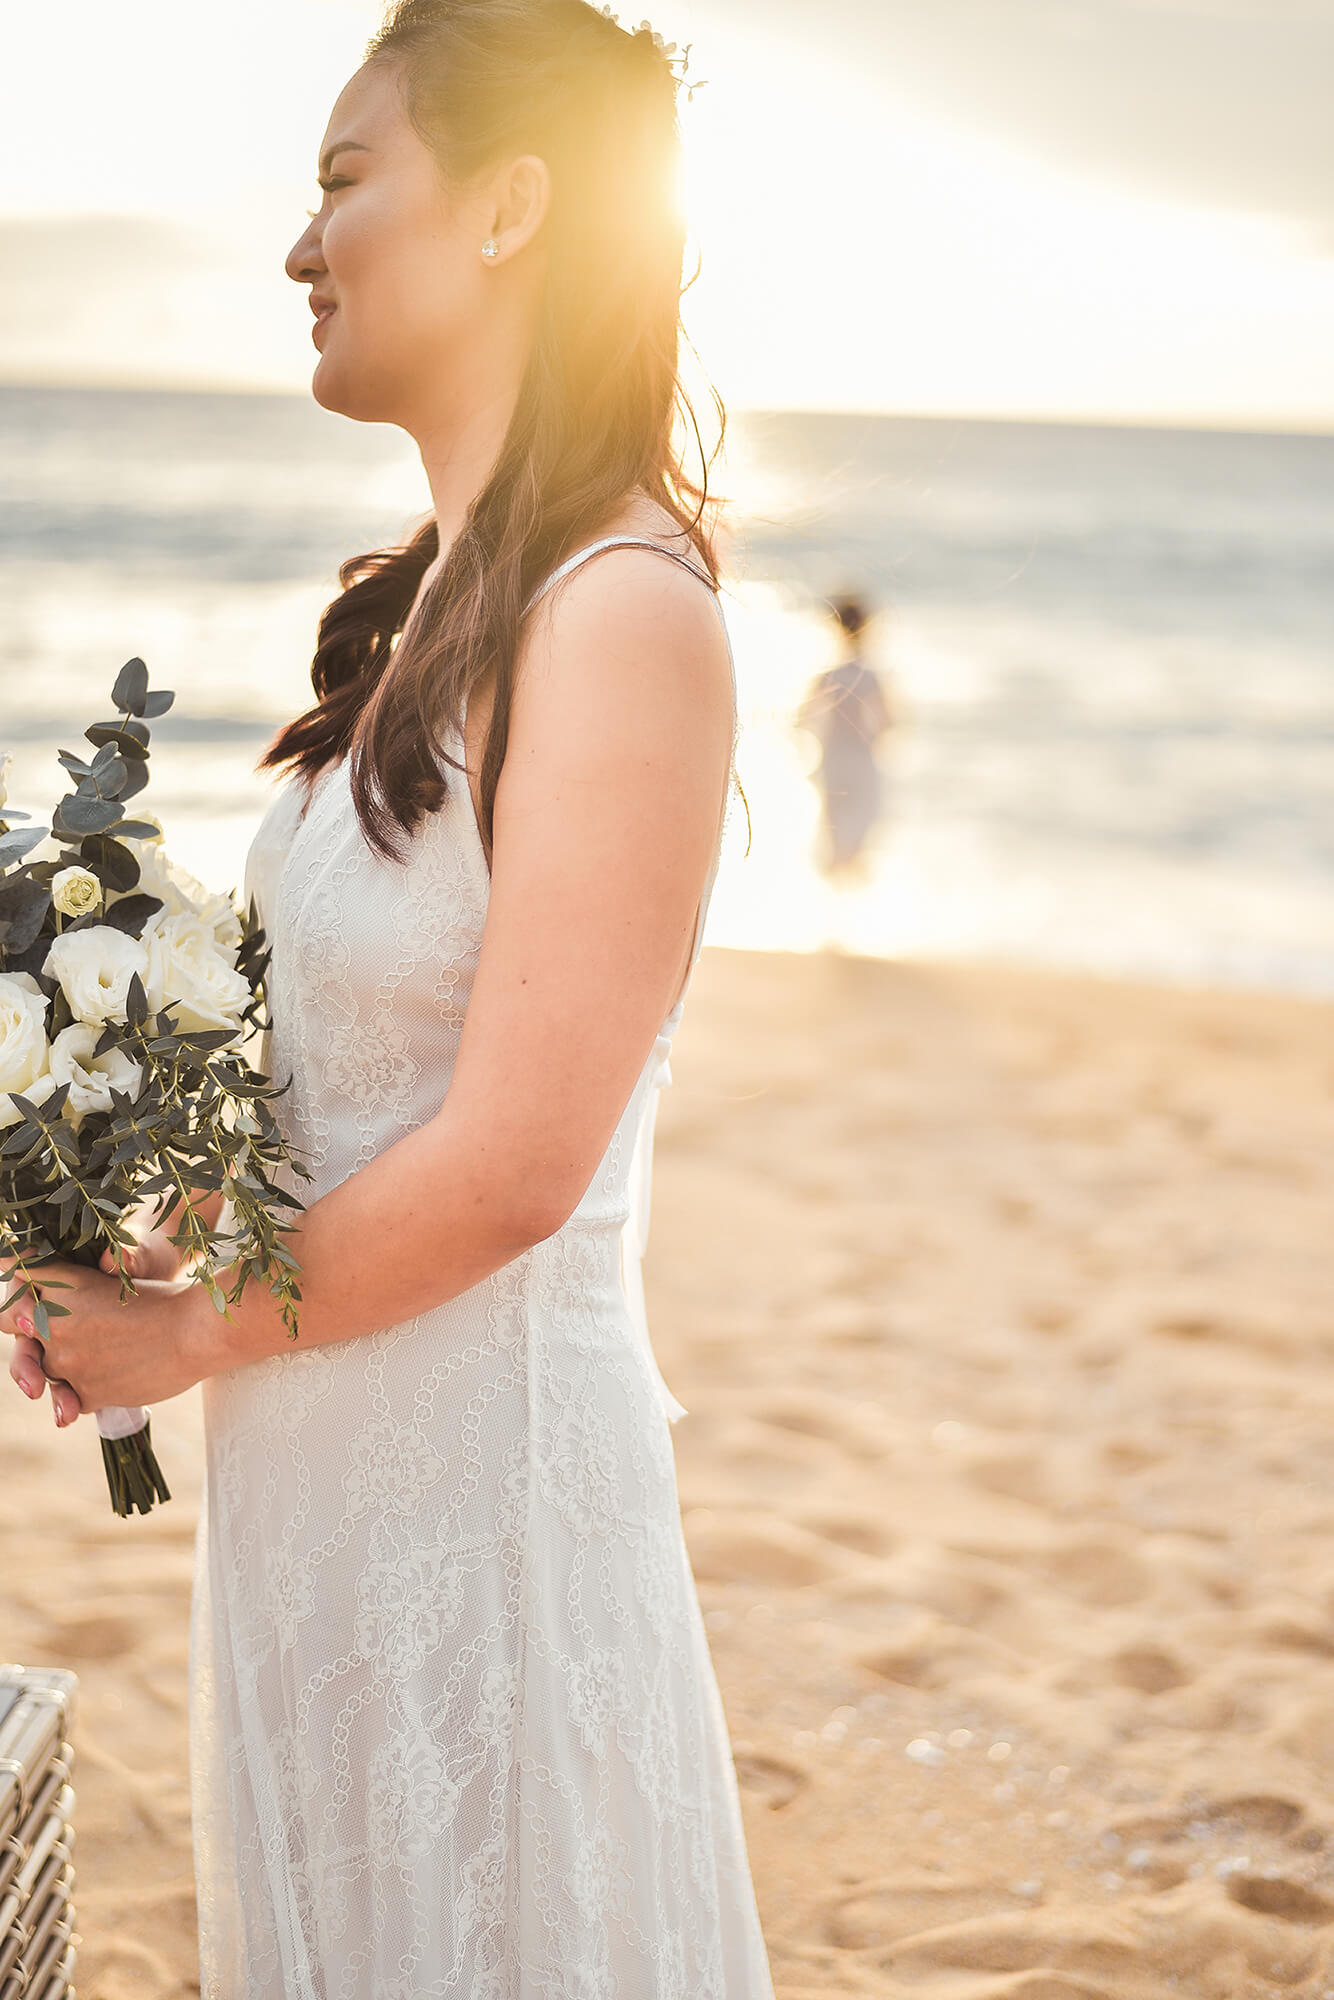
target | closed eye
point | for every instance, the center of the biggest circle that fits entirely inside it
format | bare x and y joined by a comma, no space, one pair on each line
329,187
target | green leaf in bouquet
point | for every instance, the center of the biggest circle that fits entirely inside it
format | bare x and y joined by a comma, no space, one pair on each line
49,1109
207,1039
135,782
131,689
8,813
158,702
23,907
44,1311
245,1086
108,772
111,861
136,1002
22,1138
131,913
80,813
13,846
74,764
130,738
136,829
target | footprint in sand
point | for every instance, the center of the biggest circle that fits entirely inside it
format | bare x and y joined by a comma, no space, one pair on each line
1259,1812
758,1548
1149,1669
91,1636
1270,1896
905,1906
859,1432
1072,1950
770,1778
1102,1572
862,1532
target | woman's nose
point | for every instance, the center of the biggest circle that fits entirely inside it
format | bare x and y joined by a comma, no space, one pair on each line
303,262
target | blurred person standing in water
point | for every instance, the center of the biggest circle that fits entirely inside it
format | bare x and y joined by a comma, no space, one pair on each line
847,710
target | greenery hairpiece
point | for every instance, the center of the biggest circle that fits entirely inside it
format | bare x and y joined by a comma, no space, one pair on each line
677,60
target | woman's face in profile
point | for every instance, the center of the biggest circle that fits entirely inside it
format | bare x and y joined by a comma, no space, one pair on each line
393,261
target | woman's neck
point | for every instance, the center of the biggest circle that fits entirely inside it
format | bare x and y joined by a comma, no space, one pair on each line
458,458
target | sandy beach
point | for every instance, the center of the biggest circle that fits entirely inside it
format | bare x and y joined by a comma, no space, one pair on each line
1002,1303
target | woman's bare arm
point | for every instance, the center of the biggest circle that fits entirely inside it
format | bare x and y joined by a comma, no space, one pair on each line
607,814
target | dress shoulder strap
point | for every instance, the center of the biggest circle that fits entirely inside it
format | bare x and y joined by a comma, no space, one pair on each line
581,556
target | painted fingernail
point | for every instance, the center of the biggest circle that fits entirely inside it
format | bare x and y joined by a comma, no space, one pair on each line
23,1325
28,1387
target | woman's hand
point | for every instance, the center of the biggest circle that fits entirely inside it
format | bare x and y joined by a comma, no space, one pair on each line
106,1352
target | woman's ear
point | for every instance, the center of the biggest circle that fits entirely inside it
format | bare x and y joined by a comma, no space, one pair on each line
521,195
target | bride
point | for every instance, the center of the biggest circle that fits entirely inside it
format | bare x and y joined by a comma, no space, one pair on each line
454,1724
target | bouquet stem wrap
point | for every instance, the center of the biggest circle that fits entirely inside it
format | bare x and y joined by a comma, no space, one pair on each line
134,1476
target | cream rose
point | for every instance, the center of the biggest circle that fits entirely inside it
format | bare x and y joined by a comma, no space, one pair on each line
178,891
6,765
191,975
219,913
76,892
157,878
91,1078
24,1051
95,968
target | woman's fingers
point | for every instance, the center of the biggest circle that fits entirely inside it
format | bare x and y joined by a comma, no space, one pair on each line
67,1404
25,1365
132,1257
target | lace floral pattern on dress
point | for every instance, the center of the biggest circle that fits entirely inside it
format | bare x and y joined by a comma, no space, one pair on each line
454,1728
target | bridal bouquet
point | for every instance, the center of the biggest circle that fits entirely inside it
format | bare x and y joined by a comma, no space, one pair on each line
127,993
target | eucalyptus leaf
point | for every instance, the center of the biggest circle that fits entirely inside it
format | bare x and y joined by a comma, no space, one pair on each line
131,913
131,688
130,737
13,846
80,814
23,908
114,865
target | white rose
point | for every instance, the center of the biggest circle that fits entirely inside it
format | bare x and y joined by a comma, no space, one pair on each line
76,892
178,891
191,975
24,1052
6,765
95,968
91,1078
157,878
220,914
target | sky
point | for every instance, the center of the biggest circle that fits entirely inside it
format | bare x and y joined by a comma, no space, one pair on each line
1111,209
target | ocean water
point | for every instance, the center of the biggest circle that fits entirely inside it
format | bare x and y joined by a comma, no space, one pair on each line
1110,651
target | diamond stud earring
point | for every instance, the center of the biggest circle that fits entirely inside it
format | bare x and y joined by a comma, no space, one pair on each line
490,248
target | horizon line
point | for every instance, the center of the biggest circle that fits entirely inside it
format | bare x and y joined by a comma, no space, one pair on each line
1257,424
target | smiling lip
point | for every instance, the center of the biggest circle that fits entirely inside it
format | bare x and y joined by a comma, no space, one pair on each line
326,315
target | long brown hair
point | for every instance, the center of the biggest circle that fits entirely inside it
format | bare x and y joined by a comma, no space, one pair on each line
601,414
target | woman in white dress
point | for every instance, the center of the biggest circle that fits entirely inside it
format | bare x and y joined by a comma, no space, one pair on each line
454,1724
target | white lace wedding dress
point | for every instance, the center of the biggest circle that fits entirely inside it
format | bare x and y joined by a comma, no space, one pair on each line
454,1727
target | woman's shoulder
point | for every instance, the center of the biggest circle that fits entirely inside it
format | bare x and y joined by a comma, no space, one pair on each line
630,621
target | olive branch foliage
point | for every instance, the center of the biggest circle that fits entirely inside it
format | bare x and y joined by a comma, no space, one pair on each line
201,1121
